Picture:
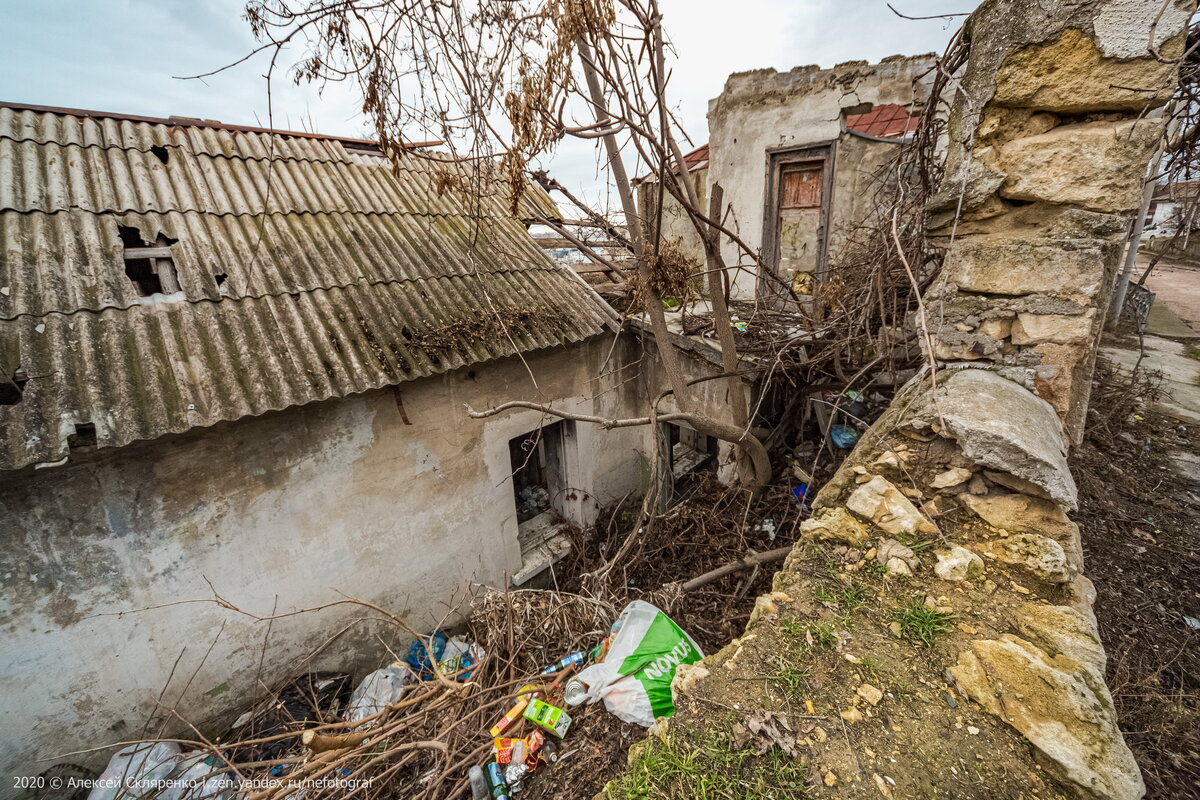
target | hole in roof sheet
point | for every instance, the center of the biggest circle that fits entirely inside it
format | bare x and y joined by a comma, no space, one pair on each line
131,237
147,274
221,278
138,270
160,153
13,389
84,436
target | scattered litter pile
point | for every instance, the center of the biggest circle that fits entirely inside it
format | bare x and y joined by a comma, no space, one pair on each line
508,704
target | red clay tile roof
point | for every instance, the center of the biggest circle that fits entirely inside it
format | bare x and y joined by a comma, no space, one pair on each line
888,121
697,158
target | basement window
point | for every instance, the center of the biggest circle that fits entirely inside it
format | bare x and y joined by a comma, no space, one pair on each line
690,451
540,490
149,266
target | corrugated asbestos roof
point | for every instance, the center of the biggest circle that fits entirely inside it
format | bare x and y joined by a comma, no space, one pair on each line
307,271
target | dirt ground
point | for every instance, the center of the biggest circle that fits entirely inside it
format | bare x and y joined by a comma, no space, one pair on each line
1138,506
1176,284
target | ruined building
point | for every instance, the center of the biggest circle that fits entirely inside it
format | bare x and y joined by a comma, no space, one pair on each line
800,156
241,358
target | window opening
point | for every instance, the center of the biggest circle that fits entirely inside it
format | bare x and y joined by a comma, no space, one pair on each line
532,457
541,493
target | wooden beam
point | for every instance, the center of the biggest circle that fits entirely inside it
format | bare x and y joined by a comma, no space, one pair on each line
147,252
586,268
555,243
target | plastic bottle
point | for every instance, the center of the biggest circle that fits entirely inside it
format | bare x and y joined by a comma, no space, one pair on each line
498,787
565,661
479,785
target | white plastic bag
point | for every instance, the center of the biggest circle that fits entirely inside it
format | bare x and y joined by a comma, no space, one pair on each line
377,691
193,780
133,771
634,680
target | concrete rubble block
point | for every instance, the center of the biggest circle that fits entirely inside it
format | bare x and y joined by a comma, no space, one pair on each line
967,188
958,564
882,503
1006,265
1123,27
835,525
1003,426
1038,555
1070,74
1059,329
1060,705
1096,165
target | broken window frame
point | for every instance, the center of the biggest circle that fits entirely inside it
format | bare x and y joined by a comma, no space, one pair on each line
820,155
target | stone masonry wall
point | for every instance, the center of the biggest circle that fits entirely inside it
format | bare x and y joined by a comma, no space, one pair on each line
931,634
1049,142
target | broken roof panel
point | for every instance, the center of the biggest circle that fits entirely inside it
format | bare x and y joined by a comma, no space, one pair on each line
307,271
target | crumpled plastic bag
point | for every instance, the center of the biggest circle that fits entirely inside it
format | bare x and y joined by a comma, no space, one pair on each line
380,689
193,779
634,679
133,770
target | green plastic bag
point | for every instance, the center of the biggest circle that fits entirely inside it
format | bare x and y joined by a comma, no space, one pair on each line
634,680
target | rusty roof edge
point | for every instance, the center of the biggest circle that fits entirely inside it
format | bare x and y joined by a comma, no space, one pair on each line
193,122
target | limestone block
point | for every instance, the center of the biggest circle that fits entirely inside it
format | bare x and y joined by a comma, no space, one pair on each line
958,564
1060,705
1010,266
1071,75
835,525
1018,513
1001,425
951,477
1062,630
996,328
1096,165
882,503
1057,328
1040,556
1019,485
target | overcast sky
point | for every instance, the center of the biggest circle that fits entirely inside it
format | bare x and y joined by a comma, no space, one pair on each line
121,55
